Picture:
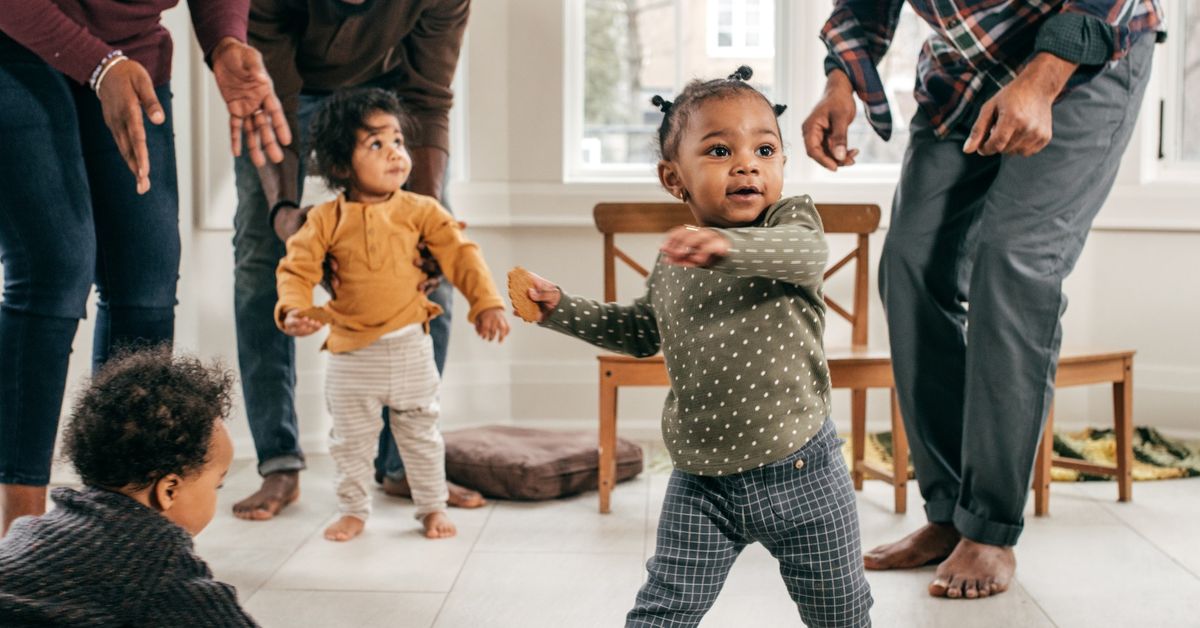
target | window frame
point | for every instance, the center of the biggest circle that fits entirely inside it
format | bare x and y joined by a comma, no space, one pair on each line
798,80
736,48
1169,112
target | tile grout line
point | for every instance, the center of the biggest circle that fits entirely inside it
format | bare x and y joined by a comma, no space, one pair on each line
1035,601
1109,509
458,574
285,560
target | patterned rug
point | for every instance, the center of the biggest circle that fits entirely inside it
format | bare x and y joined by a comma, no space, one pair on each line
1156,457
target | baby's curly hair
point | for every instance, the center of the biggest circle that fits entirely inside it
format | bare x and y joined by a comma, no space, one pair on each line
331,134
675,114
145,415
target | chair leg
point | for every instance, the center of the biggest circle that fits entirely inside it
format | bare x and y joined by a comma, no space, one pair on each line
899,457
1123,427
1042,467
608,438
858,435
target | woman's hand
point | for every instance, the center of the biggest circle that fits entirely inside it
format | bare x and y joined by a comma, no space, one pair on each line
254,110
492,325
694,247
300,326
125,93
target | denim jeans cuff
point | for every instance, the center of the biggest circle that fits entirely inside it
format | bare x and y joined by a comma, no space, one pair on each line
940,510
396,475
984,531
25,479
280,464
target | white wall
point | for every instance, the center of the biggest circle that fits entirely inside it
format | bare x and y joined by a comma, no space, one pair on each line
1135,285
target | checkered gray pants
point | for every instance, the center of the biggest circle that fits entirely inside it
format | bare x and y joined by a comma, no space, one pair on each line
806,517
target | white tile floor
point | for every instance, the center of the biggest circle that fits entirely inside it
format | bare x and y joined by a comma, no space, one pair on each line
560,564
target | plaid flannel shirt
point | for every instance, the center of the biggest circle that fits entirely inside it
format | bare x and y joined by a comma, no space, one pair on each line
977,47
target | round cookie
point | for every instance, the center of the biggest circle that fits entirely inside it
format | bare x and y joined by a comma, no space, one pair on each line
519,283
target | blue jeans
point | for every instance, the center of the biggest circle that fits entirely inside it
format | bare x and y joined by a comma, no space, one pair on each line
70,217
266,356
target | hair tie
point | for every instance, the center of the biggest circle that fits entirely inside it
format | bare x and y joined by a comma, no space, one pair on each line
743,73
663,104
779,109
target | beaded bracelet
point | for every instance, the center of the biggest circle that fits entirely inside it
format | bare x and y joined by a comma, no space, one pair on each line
102,67
100,79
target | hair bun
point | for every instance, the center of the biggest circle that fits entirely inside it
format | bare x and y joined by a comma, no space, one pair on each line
663,104
743,73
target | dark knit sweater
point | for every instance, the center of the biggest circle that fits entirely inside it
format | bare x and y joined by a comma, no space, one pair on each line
102,559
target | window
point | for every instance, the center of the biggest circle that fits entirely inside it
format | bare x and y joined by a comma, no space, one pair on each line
1187,75
898,70
741,28
634,49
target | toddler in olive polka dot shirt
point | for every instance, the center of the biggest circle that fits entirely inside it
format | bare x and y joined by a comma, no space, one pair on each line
741,339
735,305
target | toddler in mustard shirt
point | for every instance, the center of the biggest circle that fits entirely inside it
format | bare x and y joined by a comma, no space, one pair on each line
380,351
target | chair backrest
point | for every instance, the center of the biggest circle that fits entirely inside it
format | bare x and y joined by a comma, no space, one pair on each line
859,219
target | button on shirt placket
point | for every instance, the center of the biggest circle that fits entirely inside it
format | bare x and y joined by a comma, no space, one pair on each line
374,248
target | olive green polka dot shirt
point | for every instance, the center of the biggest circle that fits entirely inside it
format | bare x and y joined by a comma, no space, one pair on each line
742,342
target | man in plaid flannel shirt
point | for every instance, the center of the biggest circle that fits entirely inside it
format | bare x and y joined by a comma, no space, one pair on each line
1025,110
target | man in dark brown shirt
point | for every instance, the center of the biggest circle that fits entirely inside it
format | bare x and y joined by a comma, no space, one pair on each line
310,49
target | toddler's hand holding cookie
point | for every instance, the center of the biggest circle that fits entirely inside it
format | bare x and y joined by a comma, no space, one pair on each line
532,296
491,324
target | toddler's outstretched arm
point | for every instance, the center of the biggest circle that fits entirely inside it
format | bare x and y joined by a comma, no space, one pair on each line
790,246
629,329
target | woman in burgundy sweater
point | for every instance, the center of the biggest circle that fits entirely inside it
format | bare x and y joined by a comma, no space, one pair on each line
88,194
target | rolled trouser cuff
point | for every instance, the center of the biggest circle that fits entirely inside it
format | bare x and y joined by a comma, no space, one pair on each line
984,531
280,464
940,511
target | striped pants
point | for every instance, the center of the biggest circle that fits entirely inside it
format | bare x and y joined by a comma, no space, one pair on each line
397,371
802,509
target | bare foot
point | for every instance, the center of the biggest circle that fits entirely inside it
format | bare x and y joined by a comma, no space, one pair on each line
931,544
974,570
345,528
21,500
438,526
277,491
460,497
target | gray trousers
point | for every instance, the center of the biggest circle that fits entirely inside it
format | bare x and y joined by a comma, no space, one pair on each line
999,233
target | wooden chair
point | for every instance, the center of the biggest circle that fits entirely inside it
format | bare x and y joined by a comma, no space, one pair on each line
856,367
1074,369
1084,369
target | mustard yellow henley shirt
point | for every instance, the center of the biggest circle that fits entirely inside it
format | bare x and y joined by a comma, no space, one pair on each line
375,246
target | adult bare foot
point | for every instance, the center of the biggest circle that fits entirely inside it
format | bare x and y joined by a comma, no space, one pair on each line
21,500
932,543
438,526
460,496
345,528
974,570
277,491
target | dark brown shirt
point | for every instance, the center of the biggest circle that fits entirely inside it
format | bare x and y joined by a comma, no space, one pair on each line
409,46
